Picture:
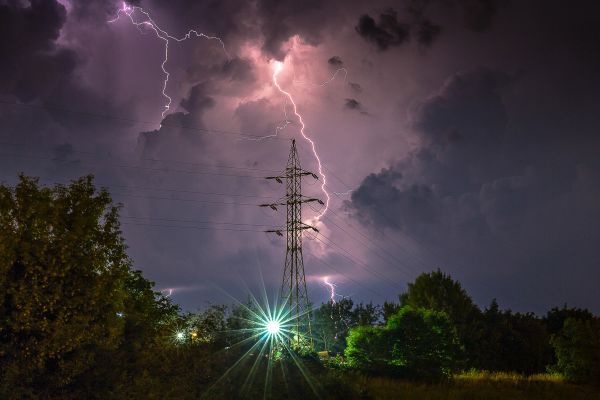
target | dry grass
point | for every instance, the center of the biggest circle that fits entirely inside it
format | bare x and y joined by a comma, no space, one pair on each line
474,385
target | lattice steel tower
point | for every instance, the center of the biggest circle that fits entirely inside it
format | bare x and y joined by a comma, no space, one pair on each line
293,286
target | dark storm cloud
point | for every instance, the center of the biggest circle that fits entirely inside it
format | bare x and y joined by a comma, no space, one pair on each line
352,104
238,69
491,190
389,31
335,61
462,130
96,12
32,64
355,87
479,14
416,23
385,33
227,19
427,32
179,134
280,20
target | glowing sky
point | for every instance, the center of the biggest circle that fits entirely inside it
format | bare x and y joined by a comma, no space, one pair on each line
454,134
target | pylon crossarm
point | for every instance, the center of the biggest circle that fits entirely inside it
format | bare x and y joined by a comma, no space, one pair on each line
311,200
302,227
277,178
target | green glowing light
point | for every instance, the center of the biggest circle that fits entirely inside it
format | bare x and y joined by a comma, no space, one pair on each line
273,327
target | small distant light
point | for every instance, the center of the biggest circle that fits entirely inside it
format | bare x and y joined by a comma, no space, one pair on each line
120,314
180,336
273,327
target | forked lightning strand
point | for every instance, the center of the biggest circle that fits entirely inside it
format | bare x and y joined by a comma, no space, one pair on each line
131,11
331,289
276,71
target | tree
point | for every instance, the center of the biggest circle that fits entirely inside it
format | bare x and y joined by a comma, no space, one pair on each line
70,305
367,350
512,342
389,309
424,343
334,320
415,343
438,291
332,323
577,349
556,317
367,314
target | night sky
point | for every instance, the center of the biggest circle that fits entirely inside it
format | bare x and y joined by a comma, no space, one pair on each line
460,135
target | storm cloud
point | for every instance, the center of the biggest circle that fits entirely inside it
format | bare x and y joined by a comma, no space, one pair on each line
479,154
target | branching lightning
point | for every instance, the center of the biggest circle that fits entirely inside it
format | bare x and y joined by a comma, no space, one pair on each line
147,22
278,67
141,20
331,289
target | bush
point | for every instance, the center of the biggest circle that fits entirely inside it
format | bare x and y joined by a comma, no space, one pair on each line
424,343
415,343
578,350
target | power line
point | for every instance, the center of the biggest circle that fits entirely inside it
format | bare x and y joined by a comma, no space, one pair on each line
185,200
330,266
191,221
202,228
151,159
344,253
140,167
137,121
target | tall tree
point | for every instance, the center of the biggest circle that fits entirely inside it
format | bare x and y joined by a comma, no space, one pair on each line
438,291
68,297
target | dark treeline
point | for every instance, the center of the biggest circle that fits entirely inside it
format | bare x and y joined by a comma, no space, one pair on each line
565,340
77,321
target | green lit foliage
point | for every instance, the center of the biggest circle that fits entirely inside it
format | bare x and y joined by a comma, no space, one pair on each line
367,349
577,349
423,342
415,343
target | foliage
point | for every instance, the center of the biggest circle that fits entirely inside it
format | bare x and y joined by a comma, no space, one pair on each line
556,317
70,302
76,321
512,342
62,273
367,349
415,343
332,321
439,292
424,343
578,350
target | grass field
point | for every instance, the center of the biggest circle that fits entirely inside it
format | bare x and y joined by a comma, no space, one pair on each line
477,385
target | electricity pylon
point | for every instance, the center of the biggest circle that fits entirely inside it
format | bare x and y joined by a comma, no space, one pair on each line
293,286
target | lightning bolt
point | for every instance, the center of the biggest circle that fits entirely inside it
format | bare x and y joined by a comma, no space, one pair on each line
146,21
132,13
331,289
278,67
